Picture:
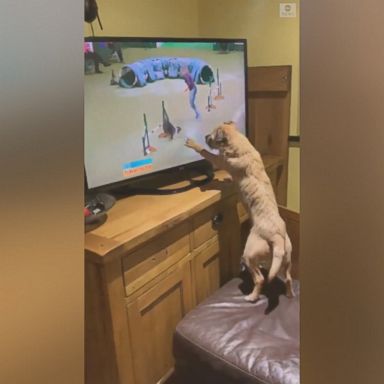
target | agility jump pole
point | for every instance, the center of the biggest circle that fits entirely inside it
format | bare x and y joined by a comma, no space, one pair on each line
210,105
147,148
165,114
219,87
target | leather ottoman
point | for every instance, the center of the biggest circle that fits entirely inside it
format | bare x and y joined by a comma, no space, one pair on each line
227,340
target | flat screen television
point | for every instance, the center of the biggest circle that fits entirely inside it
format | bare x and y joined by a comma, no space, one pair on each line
144,96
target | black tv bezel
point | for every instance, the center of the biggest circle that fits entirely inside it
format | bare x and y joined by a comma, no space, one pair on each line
118,185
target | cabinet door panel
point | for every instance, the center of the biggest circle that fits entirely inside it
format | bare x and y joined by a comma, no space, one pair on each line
207,271
152,320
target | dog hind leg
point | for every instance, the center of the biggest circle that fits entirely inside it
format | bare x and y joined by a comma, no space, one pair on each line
255,249
287,268
258,279
278,253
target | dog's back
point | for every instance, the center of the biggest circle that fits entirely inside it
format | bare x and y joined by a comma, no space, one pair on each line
247,169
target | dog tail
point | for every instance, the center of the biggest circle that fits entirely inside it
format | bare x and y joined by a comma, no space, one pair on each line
277,259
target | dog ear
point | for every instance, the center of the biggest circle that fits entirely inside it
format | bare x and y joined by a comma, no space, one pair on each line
230,124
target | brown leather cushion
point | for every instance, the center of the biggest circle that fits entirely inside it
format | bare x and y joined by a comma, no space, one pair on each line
228,340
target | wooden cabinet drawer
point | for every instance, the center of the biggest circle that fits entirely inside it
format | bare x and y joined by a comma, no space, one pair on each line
155,257
206,225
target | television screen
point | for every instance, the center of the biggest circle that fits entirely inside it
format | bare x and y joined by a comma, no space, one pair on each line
144,97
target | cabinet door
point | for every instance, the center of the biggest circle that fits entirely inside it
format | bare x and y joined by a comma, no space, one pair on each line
153,317
207,271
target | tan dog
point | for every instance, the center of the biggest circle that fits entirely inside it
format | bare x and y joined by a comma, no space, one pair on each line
268,233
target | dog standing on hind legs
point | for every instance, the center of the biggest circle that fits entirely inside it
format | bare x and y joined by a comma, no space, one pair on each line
268,236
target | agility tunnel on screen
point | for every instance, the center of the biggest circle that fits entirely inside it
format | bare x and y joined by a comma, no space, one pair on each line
141,72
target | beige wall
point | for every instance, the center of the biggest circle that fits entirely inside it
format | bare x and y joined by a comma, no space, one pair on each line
166,18
271,40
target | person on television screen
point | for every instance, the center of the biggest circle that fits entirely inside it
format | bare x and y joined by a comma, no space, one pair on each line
116,49
191,87
92,56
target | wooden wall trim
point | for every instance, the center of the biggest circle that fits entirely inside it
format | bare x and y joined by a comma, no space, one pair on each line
269,104
269,79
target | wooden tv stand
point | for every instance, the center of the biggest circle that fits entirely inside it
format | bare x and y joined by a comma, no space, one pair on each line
154,259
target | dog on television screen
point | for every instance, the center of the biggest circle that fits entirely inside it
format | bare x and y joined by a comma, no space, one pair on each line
268,236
